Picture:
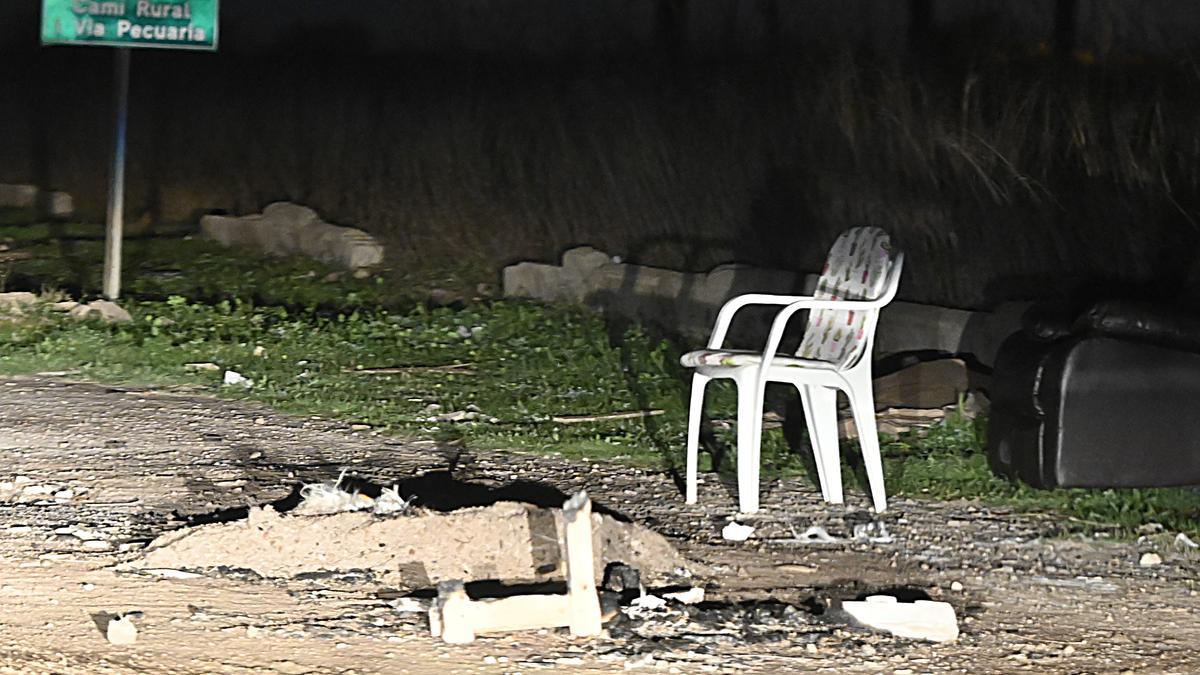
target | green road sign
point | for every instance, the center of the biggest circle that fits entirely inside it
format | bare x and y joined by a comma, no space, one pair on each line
168,24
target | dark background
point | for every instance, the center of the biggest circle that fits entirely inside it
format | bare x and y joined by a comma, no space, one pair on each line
1014,149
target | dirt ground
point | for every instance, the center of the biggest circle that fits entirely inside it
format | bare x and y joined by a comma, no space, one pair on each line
115,467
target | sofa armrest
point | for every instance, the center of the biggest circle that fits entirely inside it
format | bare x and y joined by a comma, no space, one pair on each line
1159,325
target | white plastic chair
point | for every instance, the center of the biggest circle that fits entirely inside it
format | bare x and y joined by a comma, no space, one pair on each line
860,277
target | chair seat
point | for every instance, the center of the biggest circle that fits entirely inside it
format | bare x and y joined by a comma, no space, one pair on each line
735,358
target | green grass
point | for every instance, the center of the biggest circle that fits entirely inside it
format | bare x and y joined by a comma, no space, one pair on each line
309,346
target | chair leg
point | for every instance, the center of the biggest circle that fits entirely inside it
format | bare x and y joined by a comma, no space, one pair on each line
806,401
824,414
862,403
749,436
695,408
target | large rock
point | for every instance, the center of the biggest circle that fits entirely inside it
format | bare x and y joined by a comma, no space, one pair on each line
284,228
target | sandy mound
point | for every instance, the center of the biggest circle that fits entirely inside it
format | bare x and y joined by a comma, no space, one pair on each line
507,541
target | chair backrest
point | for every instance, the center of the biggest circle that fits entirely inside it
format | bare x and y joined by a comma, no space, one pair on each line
858,268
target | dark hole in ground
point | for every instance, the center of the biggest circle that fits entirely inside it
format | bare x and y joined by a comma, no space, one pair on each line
901,593
437,490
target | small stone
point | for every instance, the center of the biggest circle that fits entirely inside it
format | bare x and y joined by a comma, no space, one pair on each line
868,650
121,631
1068,650
810,648
254,632
956,586
362,273
490,660
260,420
735,531
1150,559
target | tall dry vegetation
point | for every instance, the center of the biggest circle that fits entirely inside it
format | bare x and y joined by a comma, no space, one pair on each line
1003,178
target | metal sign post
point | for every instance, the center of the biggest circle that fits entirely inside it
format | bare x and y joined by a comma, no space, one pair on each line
115,222
165,24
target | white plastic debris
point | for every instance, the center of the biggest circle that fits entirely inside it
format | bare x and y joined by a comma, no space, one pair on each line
875,532
692,596
920,620
320,499
121,631
817,534
1150,559
235,379
645,606
735,531
1184,541
390,502
170,573
407,604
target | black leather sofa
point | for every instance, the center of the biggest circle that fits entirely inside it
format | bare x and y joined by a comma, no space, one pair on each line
1106,397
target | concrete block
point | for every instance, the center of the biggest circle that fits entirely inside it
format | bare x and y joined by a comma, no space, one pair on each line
56,205
18,195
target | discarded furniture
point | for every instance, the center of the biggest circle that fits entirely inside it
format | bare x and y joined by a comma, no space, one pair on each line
457,619
860,276
1104,398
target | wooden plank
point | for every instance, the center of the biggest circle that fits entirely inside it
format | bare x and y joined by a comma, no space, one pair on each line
584,603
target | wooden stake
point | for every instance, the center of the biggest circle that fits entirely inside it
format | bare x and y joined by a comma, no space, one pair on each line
581,568
458,619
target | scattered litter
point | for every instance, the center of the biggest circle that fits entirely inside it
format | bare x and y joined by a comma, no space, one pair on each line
920,620
234,378
1184,541
648,602
170,573
390,501
692,596
735,531
1150,559
1094,584
875,532
79,533
322,499
201,366
121,631
578,419
815,535
409,604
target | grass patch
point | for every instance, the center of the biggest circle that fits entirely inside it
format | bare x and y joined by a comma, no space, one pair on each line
489,375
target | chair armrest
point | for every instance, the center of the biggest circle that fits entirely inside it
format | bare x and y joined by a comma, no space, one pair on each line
779,325
731,307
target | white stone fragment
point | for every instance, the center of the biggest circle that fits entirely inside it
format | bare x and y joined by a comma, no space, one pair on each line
121,631
735,531
233,378
692,596
920,620
1150,559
